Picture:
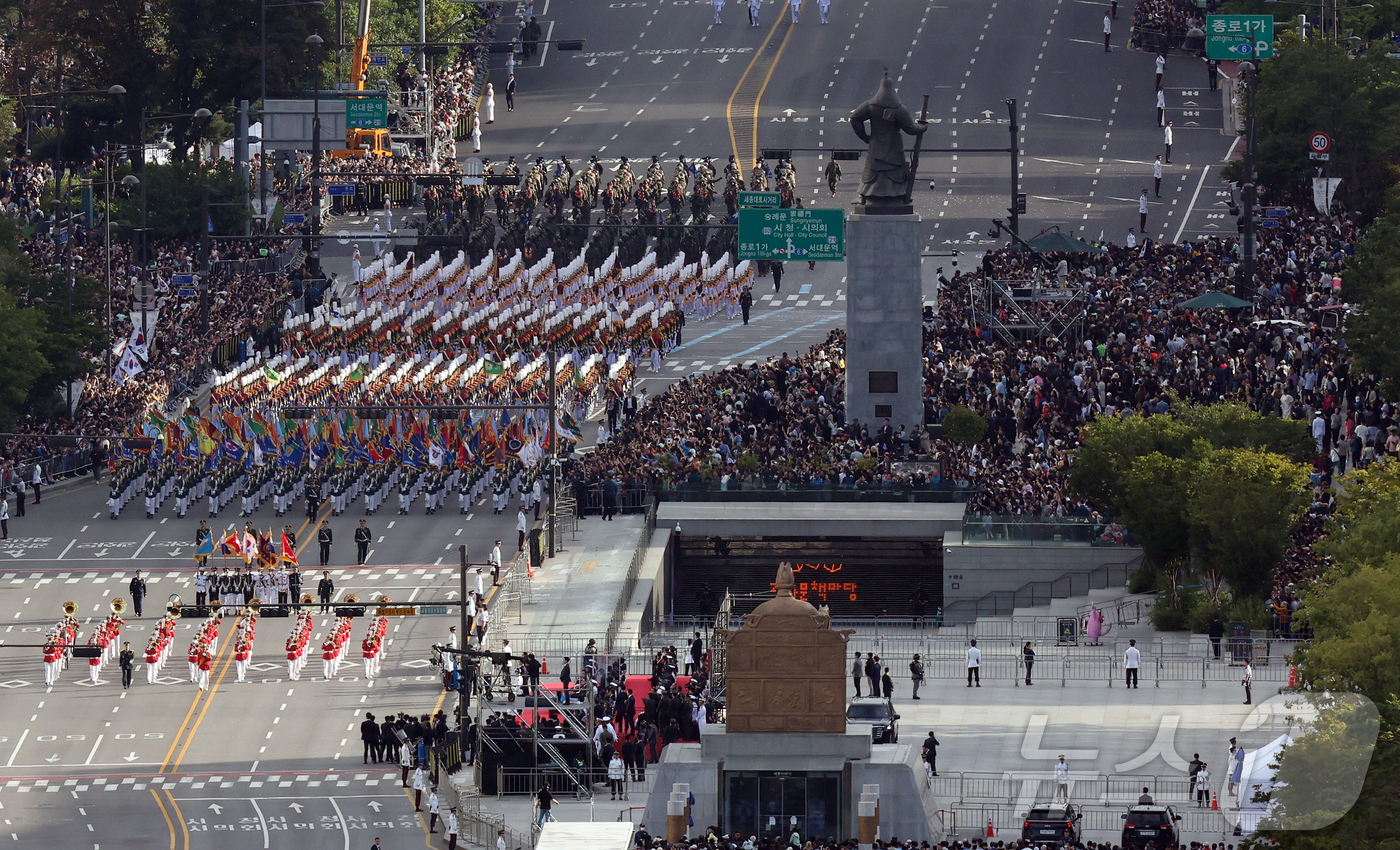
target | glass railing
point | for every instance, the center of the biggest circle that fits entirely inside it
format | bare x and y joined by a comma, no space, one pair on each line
1024,530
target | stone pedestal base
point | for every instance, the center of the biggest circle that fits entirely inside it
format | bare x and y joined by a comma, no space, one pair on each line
884,321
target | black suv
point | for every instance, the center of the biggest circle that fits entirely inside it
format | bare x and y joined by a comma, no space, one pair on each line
1052,822
1150,824
879,713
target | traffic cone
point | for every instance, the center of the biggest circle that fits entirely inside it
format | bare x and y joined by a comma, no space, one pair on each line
1214,803
991,833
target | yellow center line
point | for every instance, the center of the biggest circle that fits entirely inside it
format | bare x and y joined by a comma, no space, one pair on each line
427,839
777,57
184,829
165,814
189,739
200,694
745,159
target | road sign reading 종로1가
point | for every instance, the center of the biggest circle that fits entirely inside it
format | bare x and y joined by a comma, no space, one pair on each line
1239,36
792,234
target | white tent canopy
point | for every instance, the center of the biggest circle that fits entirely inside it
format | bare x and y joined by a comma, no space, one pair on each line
254,148
1257,776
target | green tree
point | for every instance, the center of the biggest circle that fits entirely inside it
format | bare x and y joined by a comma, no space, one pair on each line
21,363
174,200
1243,504
965,426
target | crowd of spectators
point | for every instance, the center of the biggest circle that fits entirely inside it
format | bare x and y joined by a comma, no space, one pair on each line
1132,351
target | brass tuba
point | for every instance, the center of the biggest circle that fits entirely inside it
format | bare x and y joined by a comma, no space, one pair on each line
352,599
118,605
255,606
307,599
70,608
172,605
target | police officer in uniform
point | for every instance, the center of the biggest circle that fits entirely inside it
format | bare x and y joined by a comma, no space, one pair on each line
137,587
362,536
325,589
127,660
324,537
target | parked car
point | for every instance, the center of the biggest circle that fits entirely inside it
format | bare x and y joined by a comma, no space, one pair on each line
1150,824
1052,822
879,714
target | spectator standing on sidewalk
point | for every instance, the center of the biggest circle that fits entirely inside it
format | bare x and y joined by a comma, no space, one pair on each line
974,664
1132,660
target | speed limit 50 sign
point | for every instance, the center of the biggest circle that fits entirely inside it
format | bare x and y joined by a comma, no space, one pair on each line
1320,143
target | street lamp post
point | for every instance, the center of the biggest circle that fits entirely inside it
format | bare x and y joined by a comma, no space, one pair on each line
202,114
262,75
315,41
61,201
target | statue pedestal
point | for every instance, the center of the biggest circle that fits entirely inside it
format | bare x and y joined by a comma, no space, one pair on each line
884,321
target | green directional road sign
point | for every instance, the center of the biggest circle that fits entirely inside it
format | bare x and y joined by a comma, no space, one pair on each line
367,113
813,234
1239,36
759,200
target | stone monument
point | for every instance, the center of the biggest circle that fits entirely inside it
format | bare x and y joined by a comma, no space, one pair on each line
884,299
784,758
783,635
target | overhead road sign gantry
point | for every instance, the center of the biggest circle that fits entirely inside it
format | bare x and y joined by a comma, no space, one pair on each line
1239,36
792,234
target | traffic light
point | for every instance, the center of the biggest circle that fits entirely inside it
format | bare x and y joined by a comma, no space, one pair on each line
845,155
576,44
1020,203
777,153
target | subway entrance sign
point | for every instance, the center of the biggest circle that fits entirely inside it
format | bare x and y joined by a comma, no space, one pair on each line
367,113
792,234
1239,36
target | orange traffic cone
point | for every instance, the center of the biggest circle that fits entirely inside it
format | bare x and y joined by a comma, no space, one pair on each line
991,833
1214,803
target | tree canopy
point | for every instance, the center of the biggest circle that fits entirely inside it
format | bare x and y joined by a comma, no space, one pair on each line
1351,610
1210,490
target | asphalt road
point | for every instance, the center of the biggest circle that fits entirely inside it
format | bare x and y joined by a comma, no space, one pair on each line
162,765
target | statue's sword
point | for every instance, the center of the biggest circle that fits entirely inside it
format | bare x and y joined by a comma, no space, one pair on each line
914,158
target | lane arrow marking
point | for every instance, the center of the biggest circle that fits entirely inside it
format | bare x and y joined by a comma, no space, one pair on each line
591,62
99,553
723,59
51,759
296,807
131,757
218,809
374,804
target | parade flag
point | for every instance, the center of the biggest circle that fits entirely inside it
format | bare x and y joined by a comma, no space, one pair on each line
289,552
250,546
137,344
271,375
232,545
568,428
356,375
205,548
494,367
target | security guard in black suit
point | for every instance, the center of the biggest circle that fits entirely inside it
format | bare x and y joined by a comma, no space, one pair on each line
325,589
323,537
362,537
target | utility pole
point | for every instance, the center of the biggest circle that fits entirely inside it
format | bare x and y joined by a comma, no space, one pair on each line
553,515
1015,221
240,158
1244,287
204,249
465,687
